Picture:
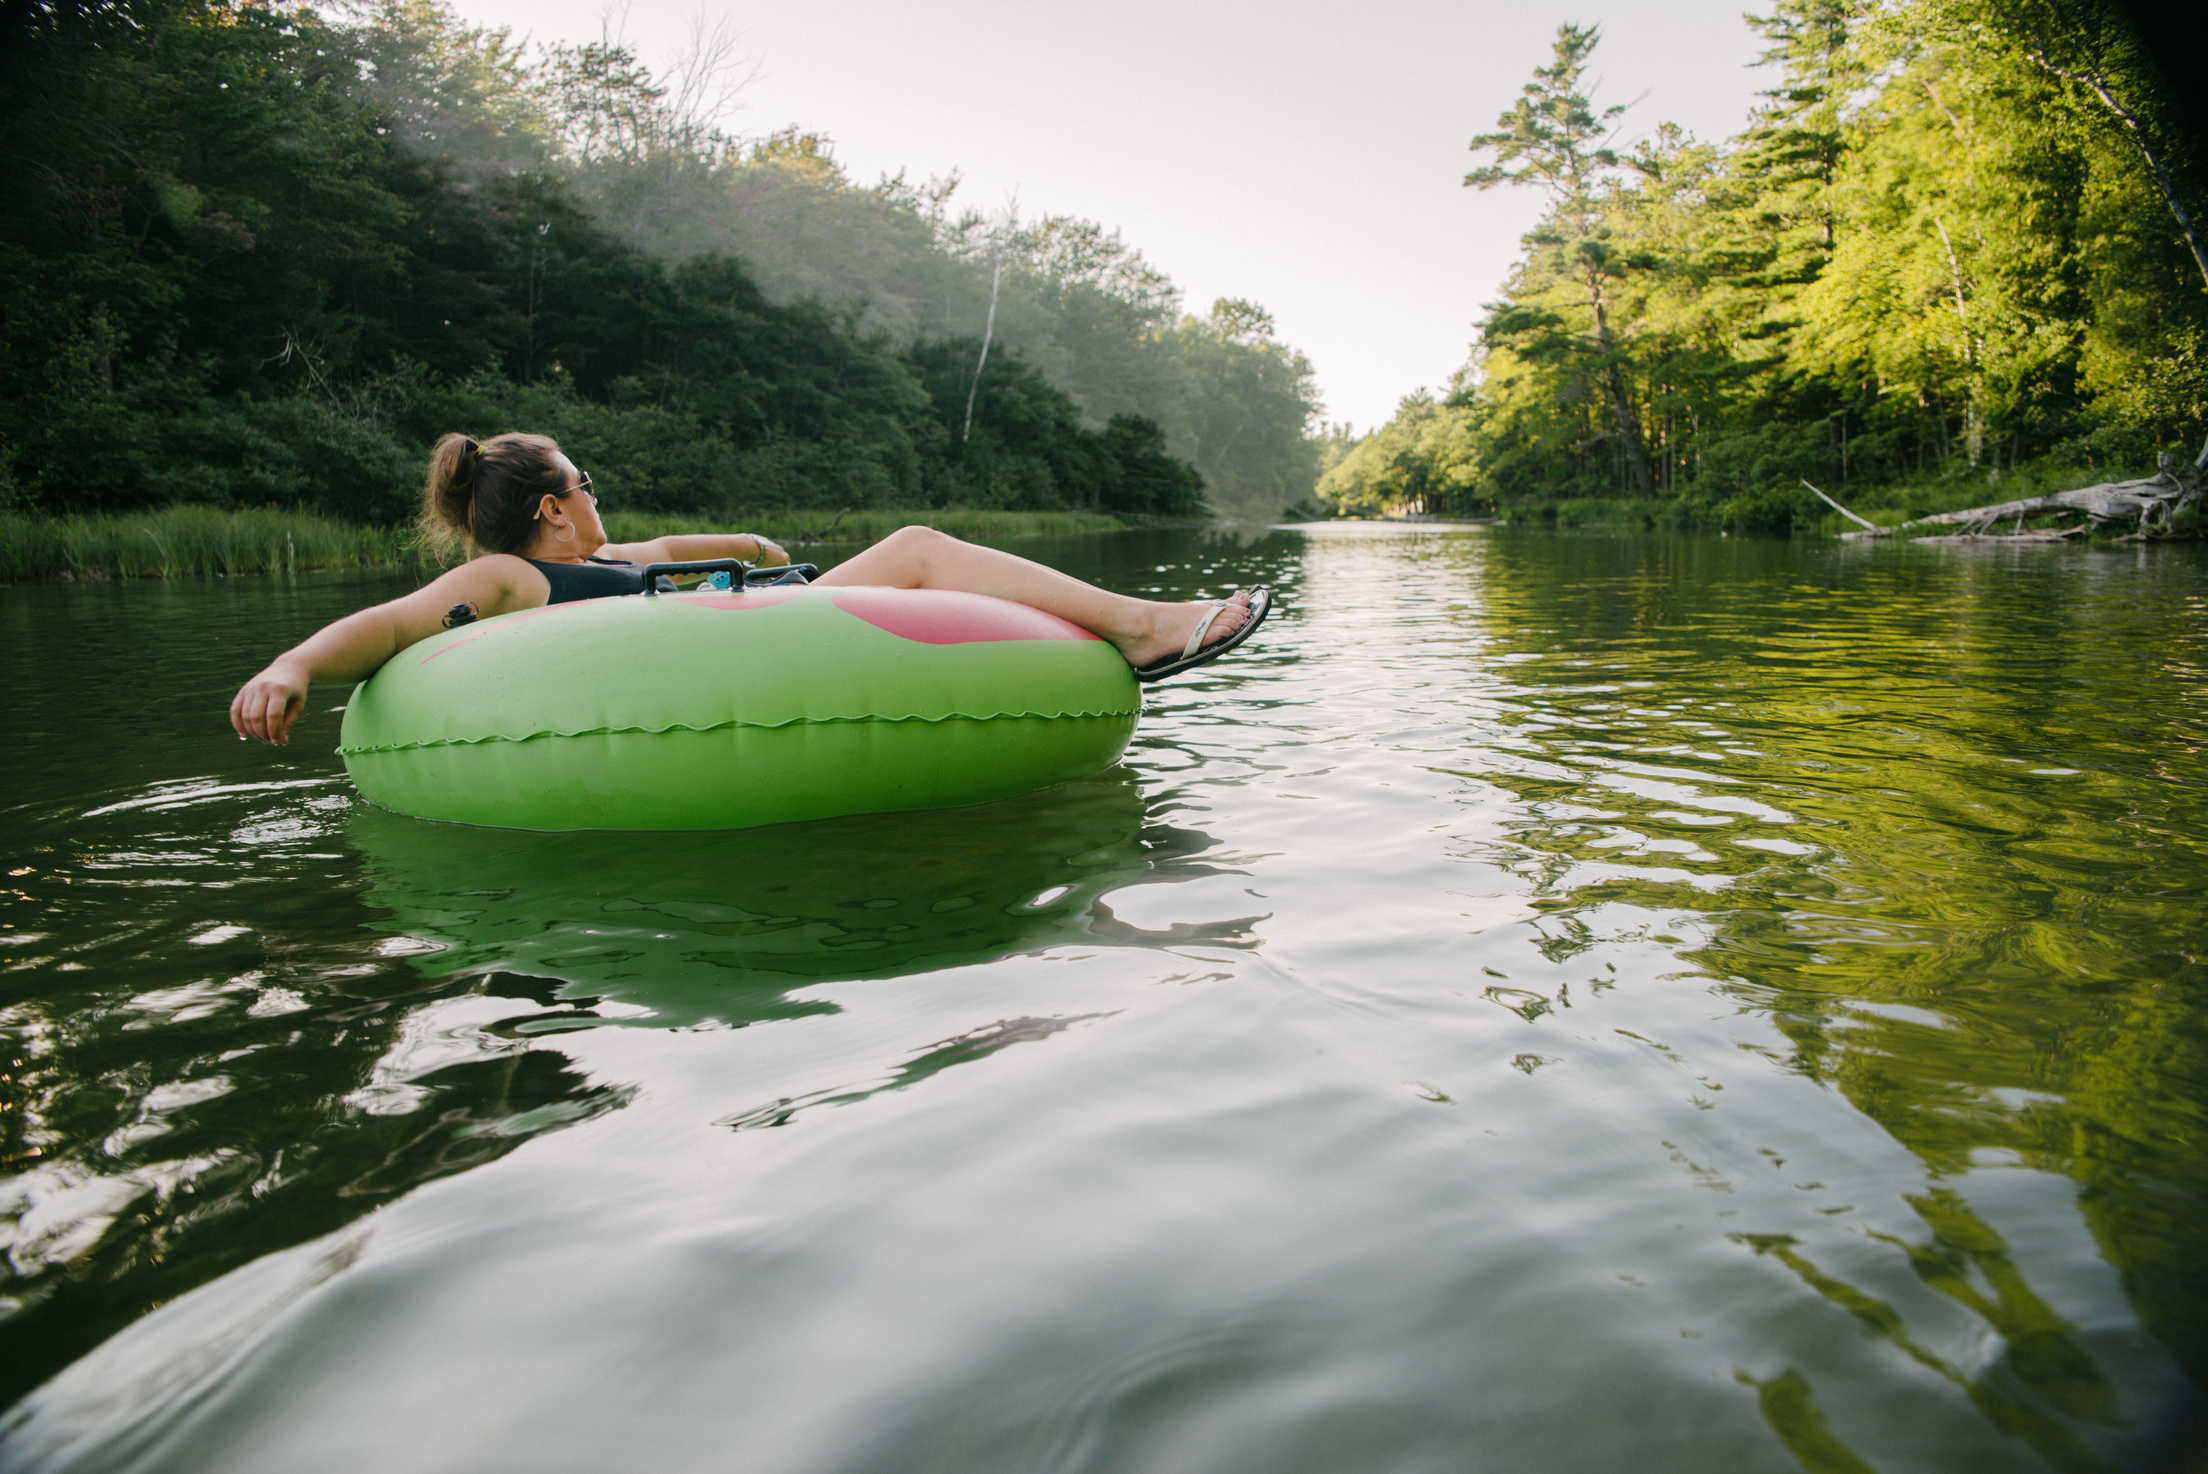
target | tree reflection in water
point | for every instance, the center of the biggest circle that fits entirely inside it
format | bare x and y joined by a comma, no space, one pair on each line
1967,899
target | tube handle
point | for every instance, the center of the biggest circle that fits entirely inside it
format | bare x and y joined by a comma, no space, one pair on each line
654,573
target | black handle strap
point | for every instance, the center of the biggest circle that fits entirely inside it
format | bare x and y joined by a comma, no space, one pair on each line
656,580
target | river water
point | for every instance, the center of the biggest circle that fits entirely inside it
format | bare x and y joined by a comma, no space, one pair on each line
1551,1004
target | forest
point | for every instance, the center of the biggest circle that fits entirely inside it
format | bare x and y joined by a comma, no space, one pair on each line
259,256
1958,244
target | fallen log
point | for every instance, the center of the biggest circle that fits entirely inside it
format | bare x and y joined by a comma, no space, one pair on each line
2154,502
2004,537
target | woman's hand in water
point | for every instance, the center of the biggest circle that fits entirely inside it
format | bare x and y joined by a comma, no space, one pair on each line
351,649
266,706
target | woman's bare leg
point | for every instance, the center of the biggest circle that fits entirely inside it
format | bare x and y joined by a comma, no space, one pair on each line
1144,630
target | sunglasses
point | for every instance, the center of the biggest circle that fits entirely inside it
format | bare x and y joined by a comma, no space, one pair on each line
582,485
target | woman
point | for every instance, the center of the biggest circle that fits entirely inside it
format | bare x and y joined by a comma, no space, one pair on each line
532,520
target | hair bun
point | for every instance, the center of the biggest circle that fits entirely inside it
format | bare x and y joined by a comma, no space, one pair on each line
487,491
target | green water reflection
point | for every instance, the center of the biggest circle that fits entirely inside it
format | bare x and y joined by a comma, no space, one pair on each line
1971,795
682,930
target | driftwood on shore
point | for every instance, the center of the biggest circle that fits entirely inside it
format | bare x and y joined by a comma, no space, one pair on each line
2153,504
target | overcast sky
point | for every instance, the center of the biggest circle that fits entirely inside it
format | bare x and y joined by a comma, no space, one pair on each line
1307,157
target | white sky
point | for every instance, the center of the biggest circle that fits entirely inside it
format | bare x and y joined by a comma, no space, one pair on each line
1307,157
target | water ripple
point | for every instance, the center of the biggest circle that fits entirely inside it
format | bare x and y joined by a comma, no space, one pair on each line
1564,1003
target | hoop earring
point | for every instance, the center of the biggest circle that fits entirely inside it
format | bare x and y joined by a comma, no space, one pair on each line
570,537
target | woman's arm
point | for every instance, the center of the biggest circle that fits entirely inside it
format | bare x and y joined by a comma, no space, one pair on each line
692,547
357,645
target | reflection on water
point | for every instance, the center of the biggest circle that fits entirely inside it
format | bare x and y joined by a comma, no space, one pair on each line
1974,919
1554,1003
688,929
1970,796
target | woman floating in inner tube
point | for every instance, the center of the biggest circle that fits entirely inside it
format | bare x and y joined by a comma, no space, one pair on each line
532,519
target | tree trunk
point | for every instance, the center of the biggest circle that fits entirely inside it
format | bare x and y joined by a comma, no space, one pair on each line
1621,403
2162,180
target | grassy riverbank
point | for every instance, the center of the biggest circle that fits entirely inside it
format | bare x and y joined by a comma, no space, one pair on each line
190,542
199,542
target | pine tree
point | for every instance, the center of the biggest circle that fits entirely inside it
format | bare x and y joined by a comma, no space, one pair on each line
1559,144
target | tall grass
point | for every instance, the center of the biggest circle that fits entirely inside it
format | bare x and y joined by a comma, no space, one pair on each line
190,542
800,527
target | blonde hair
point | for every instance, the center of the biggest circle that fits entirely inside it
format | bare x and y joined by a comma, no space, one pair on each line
482,494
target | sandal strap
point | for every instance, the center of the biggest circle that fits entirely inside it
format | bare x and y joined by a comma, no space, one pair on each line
1203,627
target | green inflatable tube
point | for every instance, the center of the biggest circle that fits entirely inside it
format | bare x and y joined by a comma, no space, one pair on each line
724,711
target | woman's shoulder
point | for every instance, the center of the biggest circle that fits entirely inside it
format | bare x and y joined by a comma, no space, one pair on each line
501,566
494,576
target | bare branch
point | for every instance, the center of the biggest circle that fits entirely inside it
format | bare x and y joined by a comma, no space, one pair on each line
1843,511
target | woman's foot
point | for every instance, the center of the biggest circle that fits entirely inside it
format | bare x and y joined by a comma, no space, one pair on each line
1171,624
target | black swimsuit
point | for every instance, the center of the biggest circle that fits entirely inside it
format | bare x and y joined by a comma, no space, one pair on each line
600,578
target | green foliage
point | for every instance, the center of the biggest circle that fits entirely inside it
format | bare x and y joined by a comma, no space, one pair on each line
1753,477
1073,300
1959,236
1423,460
1029,452
255,257
1244,411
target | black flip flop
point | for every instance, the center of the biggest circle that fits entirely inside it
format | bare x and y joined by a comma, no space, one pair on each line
1261,604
